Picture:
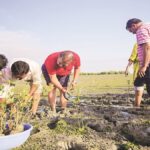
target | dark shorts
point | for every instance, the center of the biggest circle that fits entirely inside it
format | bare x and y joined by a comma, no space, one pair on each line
62,79
140,81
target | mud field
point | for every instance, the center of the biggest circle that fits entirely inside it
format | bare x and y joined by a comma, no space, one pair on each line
92,122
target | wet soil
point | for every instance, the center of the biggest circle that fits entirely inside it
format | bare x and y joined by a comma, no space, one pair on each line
92,122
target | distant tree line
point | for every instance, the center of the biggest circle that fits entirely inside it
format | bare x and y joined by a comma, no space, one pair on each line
102,73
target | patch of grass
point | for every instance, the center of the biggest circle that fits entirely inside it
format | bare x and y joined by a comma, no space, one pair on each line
91,84
61,126
69,129
95,84
146,122
129,146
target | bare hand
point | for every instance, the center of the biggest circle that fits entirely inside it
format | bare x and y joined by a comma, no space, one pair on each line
126,72
73,84
142,72
63,90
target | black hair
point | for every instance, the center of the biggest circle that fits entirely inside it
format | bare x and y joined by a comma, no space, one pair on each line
19,68
3,61
132,21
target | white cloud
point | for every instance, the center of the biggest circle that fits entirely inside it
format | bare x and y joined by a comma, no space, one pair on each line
15,44
19,44
16,40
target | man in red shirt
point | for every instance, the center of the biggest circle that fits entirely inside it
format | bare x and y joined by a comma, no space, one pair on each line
56,70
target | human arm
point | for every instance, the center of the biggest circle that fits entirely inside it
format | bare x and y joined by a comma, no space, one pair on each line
56,83
75,77
146,58
36,78
130,62
133,55
132,58
76,72
33,88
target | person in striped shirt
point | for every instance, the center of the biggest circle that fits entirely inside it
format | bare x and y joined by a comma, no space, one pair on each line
142,31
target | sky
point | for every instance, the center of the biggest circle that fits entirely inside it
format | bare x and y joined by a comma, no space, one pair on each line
95,29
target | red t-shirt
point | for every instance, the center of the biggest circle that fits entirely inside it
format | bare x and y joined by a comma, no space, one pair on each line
53,68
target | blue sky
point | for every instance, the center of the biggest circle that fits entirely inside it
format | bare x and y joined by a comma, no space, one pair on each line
95,29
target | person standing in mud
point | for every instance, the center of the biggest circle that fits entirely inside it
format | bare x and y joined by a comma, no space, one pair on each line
133,60
56,70
29,71
142,31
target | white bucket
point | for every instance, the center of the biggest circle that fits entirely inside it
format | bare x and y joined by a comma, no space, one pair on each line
14,140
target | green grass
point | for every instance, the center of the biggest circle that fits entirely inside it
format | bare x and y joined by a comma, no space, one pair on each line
92,84
95,84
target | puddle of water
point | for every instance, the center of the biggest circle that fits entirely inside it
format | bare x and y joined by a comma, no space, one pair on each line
121,107
125,114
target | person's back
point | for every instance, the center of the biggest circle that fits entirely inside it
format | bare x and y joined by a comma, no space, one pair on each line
53,68
143,36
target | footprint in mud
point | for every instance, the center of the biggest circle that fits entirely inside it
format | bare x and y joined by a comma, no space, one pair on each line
62,145
95,127
100,127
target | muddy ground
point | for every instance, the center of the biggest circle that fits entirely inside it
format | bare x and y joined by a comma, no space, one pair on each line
92,122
